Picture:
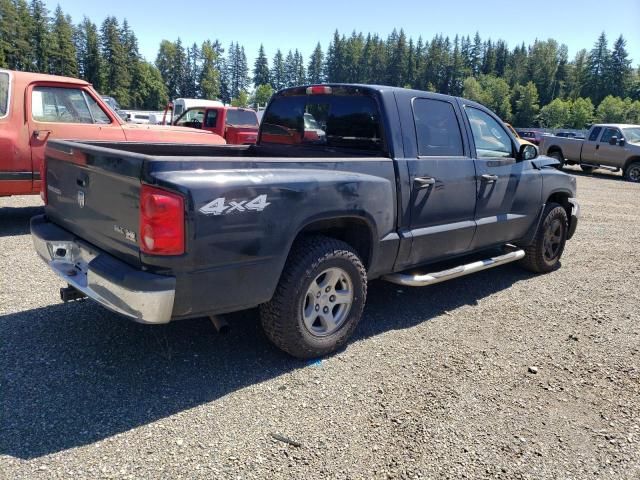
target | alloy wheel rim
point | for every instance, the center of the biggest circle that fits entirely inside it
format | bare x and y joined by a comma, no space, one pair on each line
327,302
552,240
634,174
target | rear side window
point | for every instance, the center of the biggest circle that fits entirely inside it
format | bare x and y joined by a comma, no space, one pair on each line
65,105
4,93
594,134
437,129
347,118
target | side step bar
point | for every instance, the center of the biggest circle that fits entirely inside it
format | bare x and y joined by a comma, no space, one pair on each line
422,280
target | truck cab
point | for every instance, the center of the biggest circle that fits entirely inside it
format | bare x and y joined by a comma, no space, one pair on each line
238,126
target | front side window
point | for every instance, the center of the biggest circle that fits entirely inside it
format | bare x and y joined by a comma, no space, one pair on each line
4,93
437,129
65,105
594,134
490,138
347,118
191,118
632,134
608,133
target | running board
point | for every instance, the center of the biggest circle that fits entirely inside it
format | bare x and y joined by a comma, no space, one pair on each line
602,167
422,280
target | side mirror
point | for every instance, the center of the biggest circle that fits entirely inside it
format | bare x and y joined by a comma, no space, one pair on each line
527,152
621,142
613,140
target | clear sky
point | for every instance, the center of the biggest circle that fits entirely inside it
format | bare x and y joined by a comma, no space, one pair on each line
287,24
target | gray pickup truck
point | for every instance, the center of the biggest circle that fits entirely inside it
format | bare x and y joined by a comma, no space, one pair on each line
611,146
411,187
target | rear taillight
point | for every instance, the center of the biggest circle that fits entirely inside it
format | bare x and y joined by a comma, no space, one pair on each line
161,222
43,181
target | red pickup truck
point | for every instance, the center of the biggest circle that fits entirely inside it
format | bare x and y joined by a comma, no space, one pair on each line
35,108
238,126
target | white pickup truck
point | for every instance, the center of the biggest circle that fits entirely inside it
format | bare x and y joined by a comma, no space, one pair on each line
612,146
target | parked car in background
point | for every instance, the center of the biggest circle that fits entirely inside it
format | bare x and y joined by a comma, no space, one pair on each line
35,108
113,105
399,181
566,134
533,136
142,118
175,109
238,126
520,140
613,146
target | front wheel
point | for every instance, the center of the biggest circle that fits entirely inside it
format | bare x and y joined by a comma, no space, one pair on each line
319,299
632,172
543,254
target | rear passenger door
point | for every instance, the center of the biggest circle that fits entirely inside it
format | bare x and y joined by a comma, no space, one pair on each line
589,152
509,191
443,183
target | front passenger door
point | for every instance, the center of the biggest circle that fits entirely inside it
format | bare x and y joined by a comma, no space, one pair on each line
509,191
611,155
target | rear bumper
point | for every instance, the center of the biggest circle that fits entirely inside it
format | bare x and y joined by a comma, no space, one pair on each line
575,215
141,296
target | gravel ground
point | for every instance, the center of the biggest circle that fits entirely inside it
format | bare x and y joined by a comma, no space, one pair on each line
502,374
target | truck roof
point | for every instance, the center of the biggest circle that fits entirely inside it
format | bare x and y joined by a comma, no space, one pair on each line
25,77
381,89
616,125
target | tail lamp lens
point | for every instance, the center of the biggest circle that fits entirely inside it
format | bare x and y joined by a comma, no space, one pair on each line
161,222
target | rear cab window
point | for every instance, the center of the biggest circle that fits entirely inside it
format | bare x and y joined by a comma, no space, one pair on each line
4,94
344,118
593,136
241,118
437,129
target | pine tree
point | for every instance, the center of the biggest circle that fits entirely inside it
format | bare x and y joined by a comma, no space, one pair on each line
314,70
398,59
577,75
40,36
261,69
87,41
334,62
237,70
597,68
490,59
209,73
289,70
278,74
117,78
619,69
63,60
475,55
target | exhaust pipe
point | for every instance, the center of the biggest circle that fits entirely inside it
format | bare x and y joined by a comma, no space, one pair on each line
71,294
220,324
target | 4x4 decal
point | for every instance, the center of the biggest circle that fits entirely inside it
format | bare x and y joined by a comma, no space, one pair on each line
219,206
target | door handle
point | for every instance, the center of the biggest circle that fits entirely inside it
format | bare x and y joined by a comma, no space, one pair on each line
37,133
424,182
598,147
489,178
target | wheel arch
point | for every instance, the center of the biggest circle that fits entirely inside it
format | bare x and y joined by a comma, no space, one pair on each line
630,160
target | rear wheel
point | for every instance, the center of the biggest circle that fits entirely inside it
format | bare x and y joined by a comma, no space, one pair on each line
319,300
543,254
586,168
632,172
559,157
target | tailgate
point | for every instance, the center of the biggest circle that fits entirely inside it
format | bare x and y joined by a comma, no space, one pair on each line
94,193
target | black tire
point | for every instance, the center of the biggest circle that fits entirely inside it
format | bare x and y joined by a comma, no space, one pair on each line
632,172
587,168
282,317
557,154
538,257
